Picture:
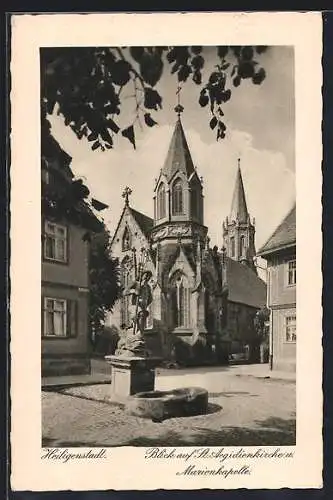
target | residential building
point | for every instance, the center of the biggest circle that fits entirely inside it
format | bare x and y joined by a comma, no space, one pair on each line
66,221
280,254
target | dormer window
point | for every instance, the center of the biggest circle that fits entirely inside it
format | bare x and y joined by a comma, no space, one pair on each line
177,198
161,202
126,241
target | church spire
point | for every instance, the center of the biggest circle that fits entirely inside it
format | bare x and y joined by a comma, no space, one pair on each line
238,206
178,157
238,232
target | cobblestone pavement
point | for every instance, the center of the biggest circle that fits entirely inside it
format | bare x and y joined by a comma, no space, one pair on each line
243,411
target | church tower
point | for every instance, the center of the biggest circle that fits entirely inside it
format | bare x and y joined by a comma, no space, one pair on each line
238,230
178,196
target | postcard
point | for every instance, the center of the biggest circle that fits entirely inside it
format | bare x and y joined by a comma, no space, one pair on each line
156,162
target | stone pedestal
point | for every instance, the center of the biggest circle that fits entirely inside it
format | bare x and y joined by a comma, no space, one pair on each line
130,375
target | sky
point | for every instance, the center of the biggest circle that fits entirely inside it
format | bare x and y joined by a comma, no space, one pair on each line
260,131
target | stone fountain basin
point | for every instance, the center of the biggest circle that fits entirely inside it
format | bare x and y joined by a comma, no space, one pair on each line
160,405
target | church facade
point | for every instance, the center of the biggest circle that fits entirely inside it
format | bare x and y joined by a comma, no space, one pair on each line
203,298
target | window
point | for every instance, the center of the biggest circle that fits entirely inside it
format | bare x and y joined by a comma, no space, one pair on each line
55,246
126,242
242,246
55,317
161,202
291,328
177,198
194,203
181,302
232,246
291,272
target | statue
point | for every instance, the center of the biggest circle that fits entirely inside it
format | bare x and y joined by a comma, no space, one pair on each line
133,344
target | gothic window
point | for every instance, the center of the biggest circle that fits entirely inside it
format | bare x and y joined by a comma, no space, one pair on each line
177,198
232,246
126,242
161,202
181,301
242,246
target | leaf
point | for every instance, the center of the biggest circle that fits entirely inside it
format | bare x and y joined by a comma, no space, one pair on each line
203,100
226,95
120,72
151,68
137,53
105,134
213,122
222,51
152,99
95,145
112,125
214,77
259,77
171,55
92,137
225,66
234,69
198,62
260,49
246,69
184,73
175,68
129,134
237,81
197,77
149,120
247,53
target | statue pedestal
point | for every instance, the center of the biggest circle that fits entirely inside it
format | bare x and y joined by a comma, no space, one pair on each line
130,375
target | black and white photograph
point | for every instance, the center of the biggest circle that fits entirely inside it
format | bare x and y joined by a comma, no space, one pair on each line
169,246
157,163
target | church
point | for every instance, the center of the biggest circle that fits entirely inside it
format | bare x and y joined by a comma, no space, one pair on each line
204,300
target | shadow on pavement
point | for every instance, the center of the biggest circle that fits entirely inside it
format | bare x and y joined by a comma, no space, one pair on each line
270,432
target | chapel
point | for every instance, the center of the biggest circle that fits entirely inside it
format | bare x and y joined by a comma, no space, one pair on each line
204,299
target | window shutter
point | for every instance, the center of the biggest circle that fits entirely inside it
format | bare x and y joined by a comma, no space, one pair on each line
68,318
72,318
75,309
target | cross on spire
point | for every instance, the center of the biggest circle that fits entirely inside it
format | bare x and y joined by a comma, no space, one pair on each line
179,108
126,193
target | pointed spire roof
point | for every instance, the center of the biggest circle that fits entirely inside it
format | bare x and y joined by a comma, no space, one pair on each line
238,205
178,156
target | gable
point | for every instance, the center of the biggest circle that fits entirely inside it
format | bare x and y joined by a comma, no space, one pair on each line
138,238
283,236
181,263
